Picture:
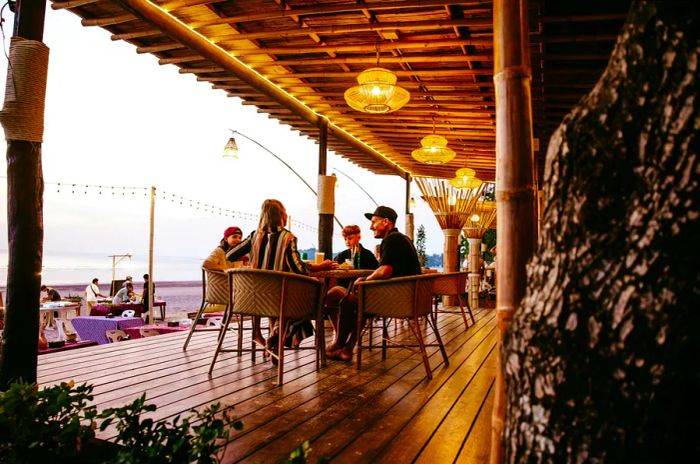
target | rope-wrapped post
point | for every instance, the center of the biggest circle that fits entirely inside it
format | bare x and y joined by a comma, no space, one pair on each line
22,118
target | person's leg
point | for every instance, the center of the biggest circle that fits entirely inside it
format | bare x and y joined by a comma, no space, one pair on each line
257,331
331,303
347,322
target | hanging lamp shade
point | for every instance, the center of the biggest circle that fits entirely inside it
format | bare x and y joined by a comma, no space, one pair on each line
464,178
377,92
231,149
433,150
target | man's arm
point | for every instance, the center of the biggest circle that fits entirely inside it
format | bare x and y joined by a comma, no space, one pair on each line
382,272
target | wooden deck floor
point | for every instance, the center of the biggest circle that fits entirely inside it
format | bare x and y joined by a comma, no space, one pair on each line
387,412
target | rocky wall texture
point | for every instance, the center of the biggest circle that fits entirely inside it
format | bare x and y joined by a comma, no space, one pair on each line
602,360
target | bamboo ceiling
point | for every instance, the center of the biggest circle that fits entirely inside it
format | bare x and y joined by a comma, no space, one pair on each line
309,52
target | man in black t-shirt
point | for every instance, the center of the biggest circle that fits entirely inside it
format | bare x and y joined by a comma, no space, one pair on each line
398,259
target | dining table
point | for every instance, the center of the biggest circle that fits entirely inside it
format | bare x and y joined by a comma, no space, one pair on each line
94,327
117,309
68,346
59,308
340,274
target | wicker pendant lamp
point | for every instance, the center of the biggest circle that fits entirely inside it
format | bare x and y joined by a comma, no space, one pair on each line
377,91
465,178
433,149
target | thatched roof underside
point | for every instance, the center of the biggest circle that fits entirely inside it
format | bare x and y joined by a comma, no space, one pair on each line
442,52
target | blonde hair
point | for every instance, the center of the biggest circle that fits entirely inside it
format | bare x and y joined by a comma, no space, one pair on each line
272,215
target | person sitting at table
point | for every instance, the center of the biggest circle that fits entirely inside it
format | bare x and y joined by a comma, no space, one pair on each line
51,294
271,246
92,291
217,259
398,259
125,294
359,256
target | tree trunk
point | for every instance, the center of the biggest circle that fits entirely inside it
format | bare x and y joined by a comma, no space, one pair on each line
601,360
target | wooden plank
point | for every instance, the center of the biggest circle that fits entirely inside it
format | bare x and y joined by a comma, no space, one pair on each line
347,415
347,396
382,429
450,434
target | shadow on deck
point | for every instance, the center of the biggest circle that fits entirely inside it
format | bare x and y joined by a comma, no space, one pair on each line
387,412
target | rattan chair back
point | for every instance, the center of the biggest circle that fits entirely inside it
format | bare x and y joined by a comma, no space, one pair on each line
258,292
407,298
450,283
214,292
281,295
399,297
453,284
216,287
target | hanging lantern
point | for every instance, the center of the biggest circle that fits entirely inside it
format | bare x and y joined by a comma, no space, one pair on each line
377,92
231,149
434,150
464,179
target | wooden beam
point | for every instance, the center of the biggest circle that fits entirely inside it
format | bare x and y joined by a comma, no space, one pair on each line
382,46
343,29
267,13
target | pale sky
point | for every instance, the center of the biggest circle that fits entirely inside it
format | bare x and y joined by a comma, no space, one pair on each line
116,118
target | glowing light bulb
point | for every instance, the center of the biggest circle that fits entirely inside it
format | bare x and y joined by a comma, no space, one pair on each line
376,91
475,218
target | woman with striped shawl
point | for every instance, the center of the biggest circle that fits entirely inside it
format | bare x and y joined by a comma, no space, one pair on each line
271,246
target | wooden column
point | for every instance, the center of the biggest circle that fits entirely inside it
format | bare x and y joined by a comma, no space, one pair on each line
409,213
25,190
474,271
325,220
450,258
515,194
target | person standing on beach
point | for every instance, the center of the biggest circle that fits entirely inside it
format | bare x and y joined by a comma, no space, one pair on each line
146,295
92,291
217,259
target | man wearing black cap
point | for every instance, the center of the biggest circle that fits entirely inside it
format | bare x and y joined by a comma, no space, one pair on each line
398,259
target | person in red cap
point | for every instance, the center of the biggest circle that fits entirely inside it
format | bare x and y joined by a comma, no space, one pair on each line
217,259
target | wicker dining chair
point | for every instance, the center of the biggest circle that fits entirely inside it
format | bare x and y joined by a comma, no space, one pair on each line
452,284
148,332
273,294
214,292
408,298
116,335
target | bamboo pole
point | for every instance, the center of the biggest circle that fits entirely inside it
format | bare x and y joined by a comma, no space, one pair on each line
474,271
409,214
326,202
25,212
150,256
450,261
514,183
